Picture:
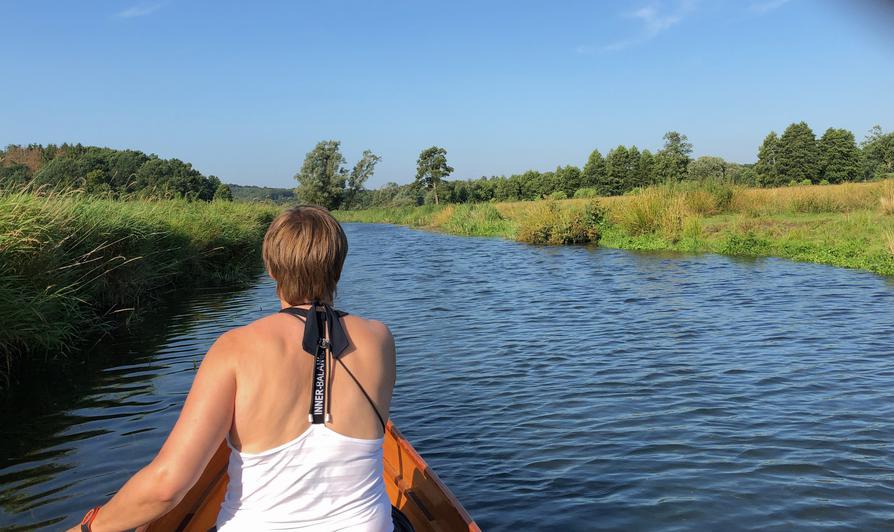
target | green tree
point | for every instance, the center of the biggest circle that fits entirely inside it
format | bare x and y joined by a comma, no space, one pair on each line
673,159
767,167
633,179
321,180
618,164
839,156
878,153
708,168
594,170
362,171
431,168
223,193
566,179
646,169
799,157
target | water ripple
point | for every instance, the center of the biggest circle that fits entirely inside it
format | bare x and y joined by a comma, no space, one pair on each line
551,388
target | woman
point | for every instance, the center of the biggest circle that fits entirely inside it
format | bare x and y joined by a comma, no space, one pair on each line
301,397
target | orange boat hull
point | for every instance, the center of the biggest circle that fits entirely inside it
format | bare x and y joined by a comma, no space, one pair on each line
412,487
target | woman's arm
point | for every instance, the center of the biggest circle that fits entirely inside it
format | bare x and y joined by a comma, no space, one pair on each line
204,421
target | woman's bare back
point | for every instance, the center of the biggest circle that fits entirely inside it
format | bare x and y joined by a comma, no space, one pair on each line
273,381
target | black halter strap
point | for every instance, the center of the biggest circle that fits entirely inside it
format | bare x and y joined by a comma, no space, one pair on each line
319,319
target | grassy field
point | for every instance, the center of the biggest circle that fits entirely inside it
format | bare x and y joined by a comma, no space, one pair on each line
72,266
849,225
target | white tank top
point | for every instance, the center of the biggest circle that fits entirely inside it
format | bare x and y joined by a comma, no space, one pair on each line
321,480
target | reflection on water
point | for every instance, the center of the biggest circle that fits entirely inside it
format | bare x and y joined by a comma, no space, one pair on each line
551,388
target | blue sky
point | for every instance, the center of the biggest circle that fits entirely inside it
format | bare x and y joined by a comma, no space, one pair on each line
244,90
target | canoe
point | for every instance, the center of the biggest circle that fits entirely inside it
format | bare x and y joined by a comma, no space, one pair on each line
412,487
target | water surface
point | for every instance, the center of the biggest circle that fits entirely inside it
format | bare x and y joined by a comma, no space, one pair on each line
568,388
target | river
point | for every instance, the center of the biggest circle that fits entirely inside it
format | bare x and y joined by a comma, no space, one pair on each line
566,388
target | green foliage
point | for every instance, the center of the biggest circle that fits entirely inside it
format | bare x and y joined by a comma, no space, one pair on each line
255,193
594,171
104,171
798,153
646,169
744,243
839,156
545,223
878,153
621,165
481,219
767,167
558,195
742,174
322,178
672,160
362,171
843,225
431,168
70,262
586,193
708,169
656,210
223,193
566,179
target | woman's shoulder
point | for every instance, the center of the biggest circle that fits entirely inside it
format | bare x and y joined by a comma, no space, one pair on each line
363,331
368,331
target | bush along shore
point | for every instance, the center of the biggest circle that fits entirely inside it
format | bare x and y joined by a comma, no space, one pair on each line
72,266
849,225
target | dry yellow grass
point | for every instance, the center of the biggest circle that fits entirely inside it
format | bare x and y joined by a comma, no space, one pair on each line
846,197
657,211
443,216
886,197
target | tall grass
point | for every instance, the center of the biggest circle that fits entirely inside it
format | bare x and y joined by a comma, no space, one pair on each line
846,197
481,219
671,211
886,198
547,223
69,262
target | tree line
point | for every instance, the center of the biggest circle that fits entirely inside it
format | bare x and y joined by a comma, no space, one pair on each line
256,193
107,171
795,157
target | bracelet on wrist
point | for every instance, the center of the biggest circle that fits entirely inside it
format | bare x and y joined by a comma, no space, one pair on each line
87,521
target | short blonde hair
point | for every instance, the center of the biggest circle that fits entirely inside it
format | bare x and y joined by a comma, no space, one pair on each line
304,251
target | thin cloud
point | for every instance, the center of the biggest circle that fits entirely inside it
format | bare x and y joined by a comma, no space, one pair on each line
139,10
653,20
765,7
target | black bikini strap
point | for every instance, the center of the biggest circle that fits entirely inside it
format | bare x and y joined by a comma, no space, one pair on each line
315,343
368,398
315,329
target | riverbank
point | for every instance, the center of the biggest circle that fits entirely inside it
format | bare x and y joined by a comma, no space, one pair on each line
849,225
74,266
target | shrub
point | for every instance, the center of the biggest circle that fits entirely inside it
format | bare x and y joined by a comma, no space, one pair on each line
558,195
692,228
656,210
586,192
546,223
478,219
744,243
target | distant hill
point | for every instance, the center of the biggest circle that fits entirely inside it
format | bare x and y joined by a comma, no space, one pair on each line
106,171
255,193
